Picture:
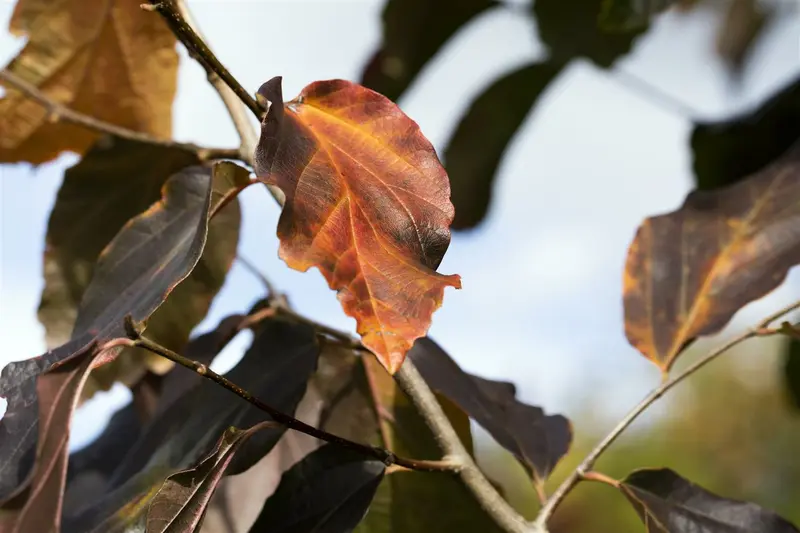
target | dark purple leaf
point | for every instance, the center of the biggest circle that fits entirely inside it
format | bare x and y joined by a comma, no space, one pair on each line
413,32
668,503
135,273
472,156
537,440
276,369
329,491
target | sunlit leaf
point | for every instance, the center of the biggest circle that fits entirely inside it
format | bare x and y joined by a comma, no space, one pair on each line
537,440
571,30
472,157
668,503
413,32
275,369
328,491
367,202
108,59
689,271
135,273
727,151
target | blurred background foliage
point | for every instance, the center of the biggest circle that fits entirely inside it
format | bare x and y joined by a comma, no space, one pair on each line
733,429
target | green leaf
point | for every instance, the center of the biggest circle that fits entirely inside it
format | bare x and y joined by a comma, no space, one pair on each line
328,491
472,156
668,503
117,180
571,30
413,32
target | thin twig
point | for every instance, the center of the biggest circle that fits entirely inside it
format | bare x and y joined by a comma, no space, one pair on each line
412,383
253,269
59,112
174,13
387,457
761,330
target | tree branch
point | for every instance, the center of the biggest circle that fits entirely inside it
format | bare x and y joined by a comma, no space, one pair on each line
411,382
136,339
59,112
175,13
582,470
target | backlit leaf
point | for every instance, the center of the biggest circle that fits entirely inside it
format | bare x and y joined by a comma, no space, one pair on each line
142,264
413,32
571,30
108,59
329,491
537,440
668,503
186,431
115,181
689,271
367,202
472,157
181,502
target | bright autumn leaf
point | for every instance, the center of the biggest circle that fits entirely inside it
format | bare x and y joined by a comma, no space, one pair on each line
689,271
367,202
108,59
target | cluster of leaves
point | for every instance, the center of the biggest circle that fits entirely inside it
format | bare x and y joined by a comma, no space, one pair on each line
144,233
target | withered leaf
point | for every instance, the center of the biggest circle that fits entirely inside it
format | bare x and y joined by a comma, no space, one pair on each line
668,503
537,440
328,491
135,273
413,32
471,156
108,59
744,22
689,271
115,181
180,504
367,202
276,369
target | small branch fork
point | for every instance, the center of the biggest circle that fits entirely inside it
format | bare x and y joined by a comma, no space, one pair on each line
584,469
136,339
59,112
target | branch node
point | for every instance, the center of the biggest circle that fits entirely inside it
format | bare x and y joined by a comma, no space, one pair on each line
133,329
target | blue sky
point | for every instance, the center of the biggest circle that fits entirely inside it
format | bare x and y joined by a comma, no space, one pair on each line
540,303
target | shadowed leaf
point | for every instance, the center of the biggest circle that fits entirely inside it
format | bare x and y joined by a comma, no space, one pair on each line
631,15
108,59
668,503
135,273
413,32
537,440
367,202
180,504
791,372
275,369
329,491
689,271
571,30
115,181
726,152
365,405
472,156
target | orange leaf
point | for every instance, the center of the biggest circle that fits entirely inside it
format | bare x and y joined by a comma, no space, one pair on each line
367,202
108,59
689,271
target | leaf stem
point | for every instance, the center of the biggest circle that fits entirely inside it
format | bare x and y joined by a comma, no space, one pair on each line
59,112
136,339
585,466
